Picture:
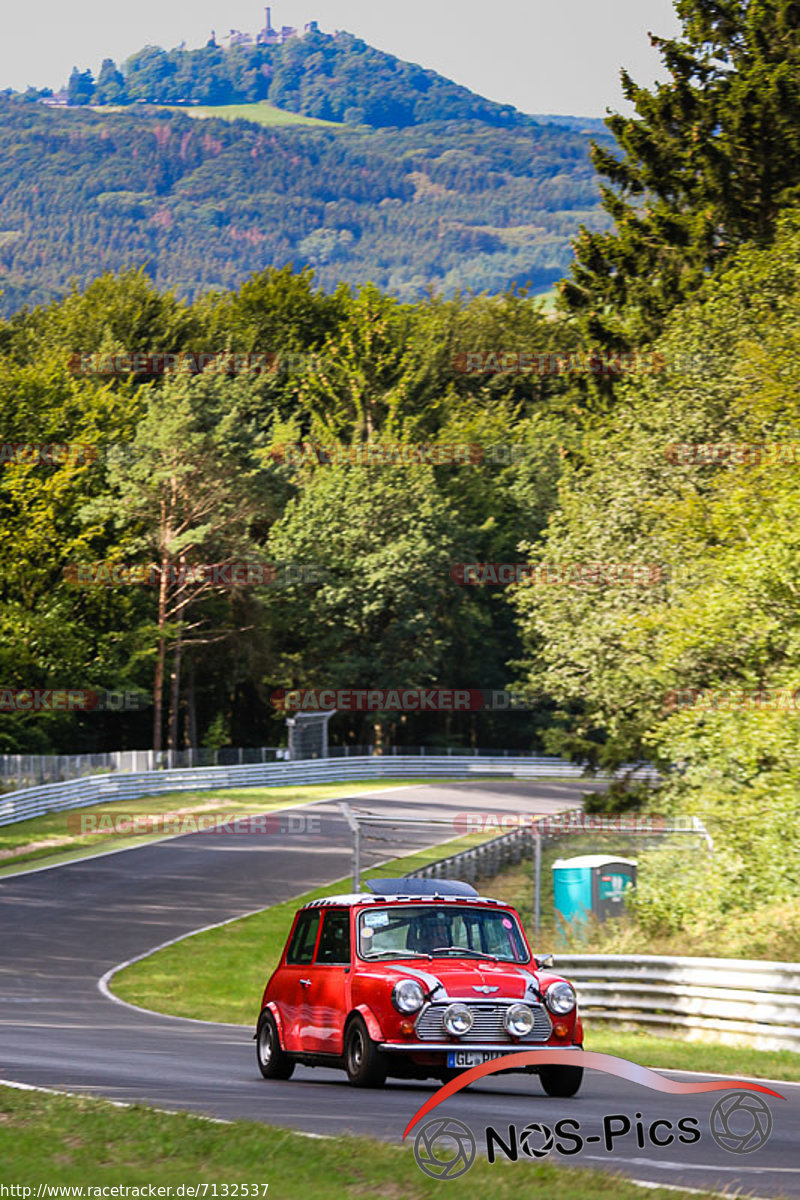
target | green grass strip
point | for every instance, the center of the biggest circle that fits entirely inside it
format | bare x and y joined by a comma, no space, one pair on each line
77,1141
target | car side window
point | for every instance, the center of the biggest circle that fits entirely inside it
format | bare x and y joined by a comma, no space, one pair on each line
304,938
334,941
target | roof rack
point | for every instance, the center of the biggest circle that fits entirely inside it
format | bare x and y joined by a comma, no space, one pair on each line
407,886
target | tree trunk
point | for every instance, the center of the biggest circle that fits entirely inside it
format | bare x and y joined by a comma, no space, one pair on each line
175,694
158,682
191,714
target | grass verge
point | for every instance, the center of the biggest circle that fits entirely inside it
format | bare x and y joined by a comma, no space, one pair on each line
78,1141
770,933
56,837
673,1054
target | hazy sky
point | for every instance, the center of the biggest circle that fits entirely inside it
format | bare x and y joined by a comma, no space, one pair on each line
557,56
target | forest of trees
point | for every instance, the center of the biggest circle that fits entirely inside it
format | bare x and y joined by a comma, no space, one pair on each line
203,204
684,457
332,77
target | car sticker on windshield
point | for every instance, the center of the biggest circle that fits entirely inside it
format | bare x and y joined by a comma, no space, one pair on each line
509,924
376,918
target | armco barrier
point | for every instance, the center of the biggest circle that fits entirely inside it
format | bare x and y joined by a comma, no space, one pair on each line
482,861
734,1000
100,789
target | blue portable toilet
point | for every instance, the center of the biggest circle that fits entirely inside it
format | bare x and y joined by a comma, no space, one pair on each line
591,883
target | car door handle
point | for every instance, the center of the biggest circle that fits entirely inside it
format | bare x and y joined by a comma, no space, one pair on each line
305,982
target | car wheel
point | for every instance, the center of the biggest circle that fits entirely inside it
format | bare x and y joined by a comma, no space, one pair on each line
561,1081
273,1061
365,1065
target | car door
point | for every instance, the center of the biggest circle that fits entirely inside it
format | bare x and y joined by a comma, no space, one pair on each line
296,978
325,999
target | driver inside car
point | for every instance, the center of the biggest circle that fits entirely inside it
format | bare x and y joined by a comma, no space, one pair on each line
429,932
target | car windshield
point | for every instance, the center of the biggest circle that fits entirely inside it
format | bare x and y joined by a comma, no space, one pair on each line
400,931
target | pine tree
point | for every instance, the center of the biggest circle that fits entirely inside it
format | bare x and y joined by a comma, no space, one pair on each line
708,162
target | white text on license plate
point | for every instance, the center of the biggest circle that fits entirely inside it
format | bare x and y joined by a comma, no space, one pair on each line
471,1058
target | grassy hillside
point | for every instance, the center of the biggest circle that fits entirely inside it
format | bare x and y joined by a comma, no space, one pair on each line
260,113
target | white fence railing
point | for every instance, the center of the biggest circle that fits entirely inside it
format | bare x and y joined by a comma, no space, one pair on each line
99,789
736,1000
30,770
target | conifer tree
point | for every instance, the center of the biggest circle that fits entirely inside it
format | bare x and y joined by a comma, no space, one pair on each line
708,162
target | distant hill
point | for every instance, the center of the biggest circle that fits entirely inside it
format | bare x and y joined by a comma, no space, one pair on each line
594,125
204,203
208,165
333,77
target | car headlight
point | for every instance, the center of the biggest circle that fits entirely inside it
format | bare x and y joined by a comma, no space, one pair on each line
457,1019
518,1020
408,996
560,998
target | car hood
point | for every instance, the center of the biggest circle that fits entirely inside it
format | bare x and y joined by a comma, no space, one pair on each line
468,978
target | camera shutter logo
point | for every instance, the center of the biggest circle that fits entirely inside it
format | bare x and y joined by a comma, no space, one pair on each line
740,1122
445,1148
533,1134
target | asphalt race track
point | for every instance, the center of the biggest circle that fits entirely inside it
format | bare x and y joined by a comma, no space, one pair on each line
63,928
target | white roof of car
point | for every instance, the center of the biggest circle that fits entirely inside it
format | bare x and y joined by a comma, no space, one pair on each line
351,898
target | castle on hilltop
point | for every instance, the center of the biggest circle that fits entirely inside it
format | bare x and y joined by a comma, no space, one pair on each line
267,36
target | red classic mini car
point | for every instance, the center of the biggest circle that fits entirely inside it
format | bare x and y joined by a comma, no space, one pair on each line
418,979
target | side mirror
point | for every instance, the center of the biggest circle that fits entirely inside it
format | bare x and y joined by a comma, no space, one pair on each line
544,960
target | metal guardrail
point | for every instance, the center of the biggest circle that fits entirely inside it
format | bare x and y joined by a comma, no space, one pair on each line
98,789
482,861
31,770
735,999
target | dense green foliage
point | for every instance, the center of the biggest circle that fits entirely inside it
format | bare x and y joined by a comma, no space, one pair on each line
708,162
701,672
694,665
199,485
334,77
205,203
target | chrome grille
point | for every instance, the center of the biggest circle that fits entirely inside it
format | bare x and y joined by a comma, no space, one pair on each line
487,1024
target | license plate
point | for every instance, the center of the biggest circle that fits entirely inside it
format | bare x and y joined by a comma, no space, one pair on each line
472,1058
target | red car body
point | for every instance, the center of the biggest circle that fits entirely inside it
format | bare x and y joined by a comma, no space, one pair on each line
340,994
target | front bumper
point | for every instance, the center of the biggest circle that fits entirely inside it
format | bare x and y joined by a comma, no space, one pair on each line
492,1047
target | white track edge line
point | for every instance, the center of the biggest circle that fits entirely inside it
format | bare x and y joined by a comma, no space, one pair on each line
169,1112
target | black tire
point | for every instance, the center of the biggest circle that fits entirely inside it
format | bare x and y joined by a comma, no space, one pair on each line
561,1081
273,1061
365,1065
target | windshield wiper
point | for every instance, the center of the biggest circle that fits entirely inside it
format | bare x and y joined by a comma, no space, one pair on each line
462,950
396,954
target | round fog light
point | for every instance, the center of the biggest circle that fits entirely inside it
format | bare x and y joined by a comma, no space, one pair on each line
518,1020
457,1019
